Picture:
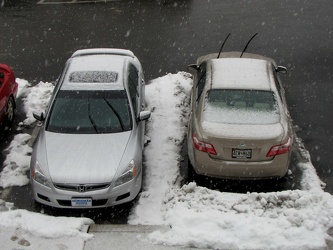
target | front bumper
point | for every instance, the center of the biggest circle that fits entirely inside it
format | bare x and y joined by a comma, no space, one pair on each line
107,197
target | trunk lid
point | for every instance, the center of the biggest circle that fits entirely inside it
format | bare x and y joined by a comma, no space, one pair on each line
242,142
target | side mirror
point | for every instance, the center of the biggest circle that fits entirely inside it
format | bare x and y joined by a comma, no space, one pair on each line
39,116
192,68
144,115
281,69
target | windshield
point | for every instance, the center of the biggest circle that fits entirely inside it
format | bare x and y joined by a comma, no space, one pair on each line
241,107
87,112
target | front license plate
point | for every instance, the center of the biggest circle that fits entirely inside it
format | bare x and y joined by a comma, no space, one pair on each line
241,153
81,202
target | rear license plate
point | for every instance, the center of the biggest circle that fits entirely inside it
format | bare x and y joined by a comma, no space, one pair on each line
81,202
241,153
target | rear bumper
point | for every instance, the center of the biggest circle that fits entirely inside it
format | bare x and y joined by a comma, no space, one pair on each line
203,164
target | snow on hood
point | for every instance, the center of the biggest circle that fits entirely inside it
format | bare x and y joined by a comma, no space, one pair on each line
84,158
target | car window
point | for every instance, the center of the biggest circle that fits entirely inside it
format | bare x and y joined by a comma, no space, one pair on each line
278,85
133,82
240,107
201,80
93,77
86,112
2,77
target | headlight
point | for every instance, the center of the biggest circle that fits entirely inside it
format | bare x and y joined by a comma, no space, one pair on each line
129,173
38,176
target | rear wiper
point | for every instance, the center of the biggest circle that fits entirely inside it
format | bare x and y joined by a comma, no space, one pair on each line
116,113
91,119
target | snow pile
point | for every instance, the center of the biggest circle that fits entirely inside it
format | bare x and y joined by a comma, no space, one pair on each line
45,226
37,98
23,87
204,218
17,162
21,228
168,99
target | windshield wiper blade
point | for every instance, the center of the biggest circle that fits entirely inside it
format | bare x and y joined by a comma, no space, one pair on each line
91,119
116,113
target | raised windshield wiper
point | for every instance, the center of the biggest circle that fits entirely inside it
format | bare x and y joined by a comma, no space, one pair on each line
91,119
116,113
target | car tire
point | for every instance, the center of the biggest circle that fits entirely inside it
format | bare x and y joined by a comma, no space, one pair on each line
10,113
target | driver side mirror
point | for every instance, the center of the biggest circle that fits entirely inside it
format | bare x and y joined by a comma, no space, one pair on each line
144,115
281,69
192,68
39,116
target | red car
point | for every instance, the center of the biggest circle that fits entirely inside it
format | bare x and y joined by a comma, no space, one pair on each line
8,92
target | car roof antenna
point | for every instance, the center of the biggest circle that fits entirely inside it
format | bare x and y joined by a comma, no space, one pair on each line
248,44
223,45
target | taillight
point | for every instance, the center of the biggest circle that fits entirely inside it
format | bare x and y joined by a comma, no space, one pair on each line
279,149
203,146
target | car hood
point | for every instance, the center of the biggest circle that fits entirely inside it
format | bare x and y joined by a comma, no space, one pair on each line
84,158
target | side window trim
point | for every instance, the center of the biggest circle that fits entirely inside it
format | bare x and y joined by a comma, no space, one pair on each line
133,82
201,80
133,70
278,84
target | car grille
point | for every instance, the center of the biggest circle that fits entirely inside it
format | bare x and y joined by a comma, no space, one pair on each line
81,188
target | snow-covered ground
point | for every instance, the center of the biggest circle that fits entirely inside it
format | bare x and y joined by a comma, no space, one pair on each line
197,216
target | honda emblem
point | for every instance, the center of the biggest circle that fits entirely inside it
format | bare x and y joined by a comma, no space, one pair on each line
81,188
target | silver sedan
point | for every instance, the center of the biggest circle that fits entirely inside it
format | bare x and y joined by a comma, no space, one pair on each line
89,150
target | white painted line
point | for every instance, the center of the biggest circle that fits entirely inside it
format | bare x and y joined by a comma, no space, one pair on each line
74,1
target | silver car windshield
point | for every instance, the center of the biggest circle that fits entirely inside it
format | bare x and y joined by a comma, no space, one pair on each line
87,112
241,107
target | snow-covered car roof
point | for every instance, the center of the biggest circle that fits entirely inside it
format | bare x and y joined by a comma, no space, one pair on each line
241,73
